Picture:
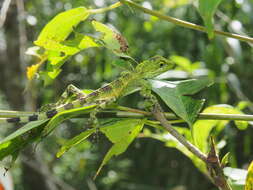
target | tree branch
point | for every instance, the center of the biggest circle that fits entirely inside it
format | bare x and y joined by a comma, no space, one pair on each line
158,114
185,23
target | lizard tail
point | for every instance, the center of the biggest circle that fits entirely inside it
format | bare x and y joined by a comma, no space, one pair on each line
51,113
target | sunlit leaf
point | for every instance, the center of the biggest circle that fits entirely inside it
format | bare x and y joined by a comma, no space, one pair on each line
121,133
176,96
249,179
202,128
207,9
59,28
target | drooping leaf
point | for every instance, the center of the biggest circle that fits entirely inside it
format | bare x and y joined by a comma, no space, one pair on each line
202,128
176,96
59,28
207,9
121,133
249,179
75,141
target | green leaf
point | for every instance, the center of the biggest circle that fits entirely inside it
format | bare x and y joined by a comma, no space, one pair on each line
15,142
71,47
62,116
249,179
225,160
59,28
121,133
207,9
113,40
74,141
29,126
175,95
202,128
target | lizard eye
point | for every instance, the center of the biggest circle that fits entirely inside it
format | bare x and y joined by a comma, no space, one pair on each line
162,64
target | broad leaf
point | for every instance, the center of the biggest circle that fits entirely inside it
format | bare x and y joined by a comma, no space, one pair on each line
121,133
202,128
249,179
75,141
176,96
59,28
207,9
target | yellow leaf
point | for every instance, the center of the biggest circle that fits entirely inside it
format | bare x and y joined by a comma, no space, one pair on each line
32,70
249,179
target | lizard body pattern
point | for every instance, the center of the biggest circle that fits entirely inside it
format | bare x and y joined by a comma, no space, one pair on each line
129,79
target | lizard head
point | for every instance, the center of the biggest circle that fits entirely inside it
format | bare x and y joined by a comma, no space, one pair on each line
154,67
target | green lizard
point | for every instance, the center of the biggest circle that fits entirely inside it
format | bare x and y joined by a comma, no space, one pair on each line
109,93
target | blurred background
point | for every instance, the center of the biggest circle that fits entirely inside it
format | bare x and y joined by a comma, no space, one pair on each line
147,164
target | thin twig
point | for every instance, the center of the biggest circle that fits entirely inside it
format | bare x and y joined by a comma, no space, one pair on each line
215,168
185,23
158,114
102,10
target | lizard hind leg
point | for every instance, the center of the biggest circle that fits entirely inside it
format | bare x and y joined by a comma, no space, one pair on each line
93,120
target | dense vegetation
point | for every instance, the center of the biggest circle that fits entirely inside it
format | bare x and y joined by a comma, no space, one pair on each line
89,45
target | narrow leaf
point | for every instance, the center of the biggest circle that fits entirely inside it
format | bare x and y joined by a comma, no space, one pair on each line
75,141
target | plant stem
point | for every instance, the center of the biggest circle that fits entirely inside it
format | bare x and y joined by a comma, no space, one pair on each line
102,10
158,114
185,23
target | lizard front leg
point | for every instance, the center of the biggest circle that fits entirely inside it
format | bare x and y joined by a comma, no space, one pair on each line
70,90
146,92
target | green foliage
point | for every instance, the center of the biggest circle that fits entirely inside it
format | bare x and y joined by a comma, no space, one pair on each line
59,28
207,9
12,144
201,129
176,96
75,141
66,36
249,179
121,134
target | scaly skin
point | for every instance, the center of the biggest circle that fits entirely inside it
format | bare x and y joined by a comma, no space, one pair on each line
117,88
